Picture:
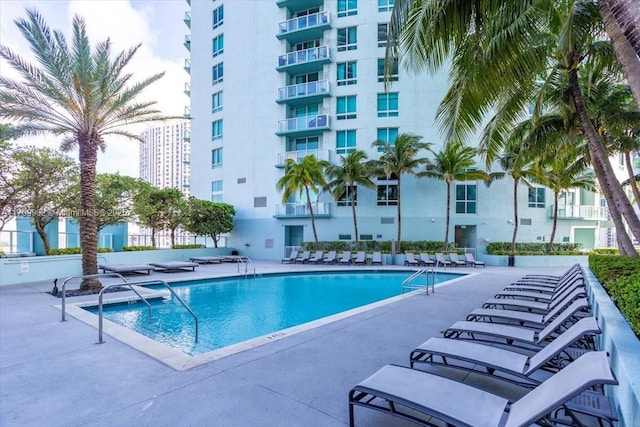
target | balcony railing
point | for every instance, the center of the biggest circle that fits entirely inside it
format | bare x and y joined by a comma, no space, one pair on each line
187,42
303,90
304,22
187,112
187,89
187,65
586,212
187,19
304,56
289,210
320,154
296,124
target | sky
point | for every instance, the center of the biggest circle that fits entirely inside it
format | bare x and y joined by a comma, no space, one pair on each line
155,24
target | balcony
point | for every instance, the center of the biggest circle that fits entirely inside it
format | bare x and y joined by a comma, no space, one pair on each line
187,19
301,210
320,154
187,65
304,61
187,42
186,137
187,112
304,93
583,212
298,5
187,89
307,27
303,126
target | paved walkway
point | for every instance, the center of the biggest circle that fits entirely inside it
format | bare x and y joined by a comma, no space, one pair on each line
53,373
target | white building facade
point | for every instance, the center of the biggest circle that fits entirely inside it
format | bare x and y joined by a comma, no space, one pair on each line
272,80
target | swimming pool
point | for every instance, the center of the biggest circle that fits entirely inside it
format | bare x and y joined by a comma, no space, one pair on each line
233,310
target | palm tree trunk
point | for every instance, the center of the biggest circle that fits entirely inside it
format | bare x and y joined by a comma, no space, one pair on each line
446,230
355,220
632,178
613,18
88,157
313,222
555,222
515,215
599,155
626,14
399,218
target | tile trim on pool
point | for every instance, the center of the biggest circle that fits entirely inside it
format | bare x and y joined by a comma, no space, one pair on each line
181,361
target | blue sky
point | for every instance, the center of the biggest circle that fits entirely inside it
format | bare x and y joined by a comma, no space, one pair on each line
158,25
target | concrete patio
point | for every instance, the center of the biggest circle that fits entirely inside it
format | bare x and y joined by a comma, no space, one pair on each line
53,373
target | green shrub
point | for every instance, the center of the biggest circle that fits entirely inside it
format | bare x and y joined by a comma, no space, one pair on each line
74,251
1,254
383,246
191,246
605,251
531,248
138,248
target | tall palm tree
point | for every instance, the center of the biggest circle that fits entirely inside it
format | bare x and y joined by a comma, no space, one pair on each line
455,162
344,180
80,93
399,158
306,176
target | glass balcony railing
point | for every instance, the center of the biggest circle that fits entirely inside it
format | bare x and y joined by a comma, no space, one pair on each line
303,90
297,209
294,124
187,42
304,56
320,154
187,19
187,89
187,65
304,22
586,212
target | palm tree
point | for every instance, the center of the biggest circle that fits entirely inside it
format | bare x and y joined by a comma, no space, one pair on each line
454,163
345,179
81,94
399,158
306,176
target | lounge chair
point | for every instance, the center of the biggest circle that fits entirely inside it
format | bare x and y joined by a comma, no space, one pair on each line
417,396
345,258
126,268
426,260
174,266
500,363
376,258
539,294
542,307
304,257
441,261
316,257
361,258
330,258
291,258
551,280
207,259
410,259
471,260
456,261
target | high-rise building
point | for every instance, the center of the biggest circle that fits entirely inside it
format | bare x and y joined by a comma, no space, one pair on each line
165,155
272,80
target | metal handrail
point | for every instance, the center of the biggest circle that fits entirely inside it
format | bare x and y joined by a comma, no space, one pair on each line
406,283
86,276
146,282
246,261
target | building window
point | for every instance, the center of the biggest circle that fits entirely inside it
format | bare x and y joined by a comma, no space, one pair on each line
466,198
303,144
385,5
216,102
216,130
387,191
388,104
387,135
217,73
345,198
216,191
393,71
216,158
536,197
347,8
346,107
345,141
347,73
382,34
218,45
347,38
218,16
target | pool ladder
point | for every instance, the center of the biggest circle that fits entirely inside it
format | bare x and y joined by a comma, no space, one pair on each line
408,284
246,261
130,286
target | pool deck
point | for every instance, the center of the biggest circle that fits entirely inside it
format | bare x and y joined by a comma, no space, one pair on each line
54,373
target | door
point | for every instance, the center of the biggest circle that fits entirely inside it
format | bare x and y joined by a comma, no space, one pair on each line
465,236
293,238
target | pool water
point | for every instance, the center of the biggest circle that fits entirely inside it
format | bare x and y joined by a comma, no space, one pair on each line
233,310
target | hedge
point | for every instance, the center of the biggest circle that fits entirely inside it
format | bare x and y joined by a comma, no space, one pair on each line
74,251
138,248
504,248
384,246
191,246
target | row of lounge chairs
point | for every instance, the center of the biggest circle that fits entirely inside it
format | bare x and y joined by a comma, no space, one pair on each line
441,261
305,257
536,334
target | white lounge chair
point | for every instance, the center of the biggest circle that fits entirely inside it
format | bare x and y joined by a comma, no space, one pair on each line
410,259
376,258
361,258
441,261
303,258
316,257
345,258
456,261
291,258
471,260
426,260
330,258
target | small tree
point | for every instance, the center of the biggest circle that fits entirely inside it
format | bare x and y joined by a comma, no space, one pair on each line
205,218
156,208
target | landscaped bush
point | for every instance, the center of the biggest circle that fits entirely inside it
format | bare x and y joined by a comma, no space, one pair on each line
383,246
138,248
620,276
74,251
504,248
605,251
191,246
